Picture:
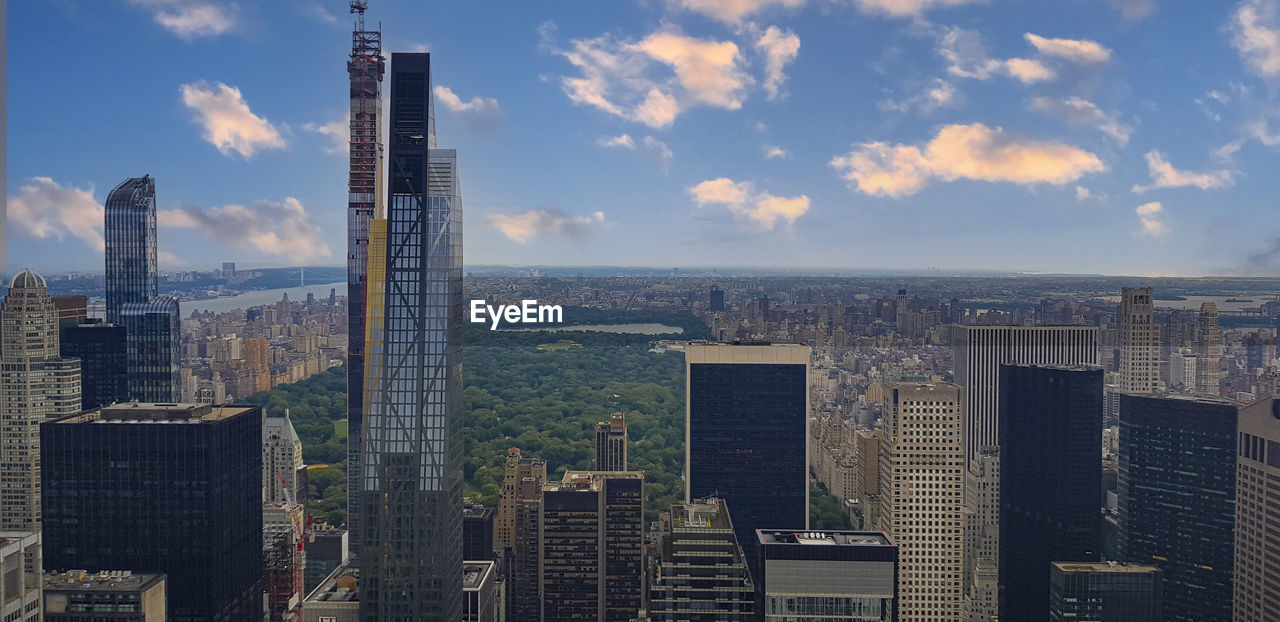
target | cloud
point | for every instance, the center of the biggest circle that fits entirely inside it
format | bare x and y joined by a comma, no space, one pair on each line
338,131
742,199
1077,111
480,113
190,19
973,151
281,228
319,12
779,47
227,121
907,8
733,11
655,79
967,57
44,209
937,93
1083,194
1149,216
420,48
1134,10
1080,51
1164,175
522,228
775,152
651,148
1255,34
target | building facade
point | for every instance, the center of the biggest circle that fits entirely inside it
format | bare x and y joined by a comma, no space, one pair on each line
1257,528
153,349
284,476
79,596
477,532
921,475
611,443
701,575
21,568
104,362
478,601
1051,469
167,488
1208,350
1139,356
827,575
411,487
522,479
747,434
130,236
1104,592
1176,494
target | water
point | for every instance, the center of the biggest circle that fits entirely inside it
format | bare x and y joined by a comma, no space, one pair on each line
259,297
639,329
1192,303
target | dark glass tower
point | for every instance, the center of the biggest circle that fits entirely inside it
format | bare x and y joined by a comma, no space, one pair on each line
174,489
130,234
1177,498
104,362
1051,469
746,430
1105,592
152,344
411,489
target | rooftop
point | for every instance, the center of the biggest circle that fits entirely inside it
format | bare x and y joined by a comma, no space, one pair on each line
342,585
104,581
145,412
700,513
821,538
476,574
1104,567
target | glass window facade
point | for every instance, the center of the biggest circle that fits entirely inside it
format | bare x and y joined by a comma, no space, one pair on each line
130,234
152,337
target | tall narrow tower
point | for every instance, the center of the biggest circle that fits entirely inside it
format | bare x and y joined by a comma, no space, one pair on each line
365,69
1139,341
130,235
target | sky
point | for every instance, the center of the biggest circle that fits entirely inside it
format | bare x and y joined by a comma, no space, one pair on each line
1134,137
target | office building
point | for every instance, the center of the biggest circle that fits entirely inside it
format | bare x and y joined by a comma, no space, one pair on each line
477,532
980,577
1257,527
326,549
104,362
130,236
36,384
591,558
866,469
1104,592
1139,360
167,488
337,599
411,488
522,479
747,434
284,560
479,604
1208,349
611,443
828,575
153,348
701,575
284,476
921,475
20,571
1183,367
717,300
1050,469
1176,494
365,68
79,596
523,599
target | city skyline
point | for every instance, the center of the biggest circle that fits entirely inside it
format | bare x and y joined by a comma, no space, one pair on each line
739,138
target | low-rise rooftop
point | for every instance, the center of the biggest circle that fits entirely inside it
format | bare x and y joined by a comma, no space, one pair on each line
820,538
103,581
148,412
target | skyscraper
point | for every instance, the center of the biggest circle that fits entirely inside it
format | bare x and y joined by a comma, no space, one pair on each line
172,488
411,489
701,575
921,474
283,473
828,575
1105,592
611,443
152,347
1177,498
1139,341
477,532
365,67
591,558
523,479
104,362
1257,527
1208,349
747,434
130,235
35,384
20,563
1051,469
717,300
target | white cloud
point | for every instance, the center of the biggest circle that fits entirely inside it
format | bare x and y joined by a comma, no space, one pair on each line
1078,111
742,199
419,48
1028,71
44,209
1255,34
319,12
1164,175
908,8
227,121
480,113
967,57
191,19
1083,194
522,228
779,47
775,152
1149,217
733,11
655,79
1134,10
622,140
974,152
338,131
937,93
281,228
1080,51
651,148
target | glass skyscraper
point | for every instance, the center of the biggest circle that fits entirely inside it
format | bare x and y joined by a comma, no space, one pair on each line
152,344
130,234
410,500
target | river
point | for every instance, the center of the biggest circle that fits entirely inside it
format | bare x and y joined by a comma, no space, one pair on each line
259,297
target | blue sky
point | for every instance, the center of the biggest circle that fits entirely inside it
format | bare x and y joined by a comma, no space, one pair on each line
1108,136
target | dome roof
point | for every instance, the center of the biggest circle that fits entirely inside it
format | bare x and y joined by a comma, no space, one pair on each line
28,280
